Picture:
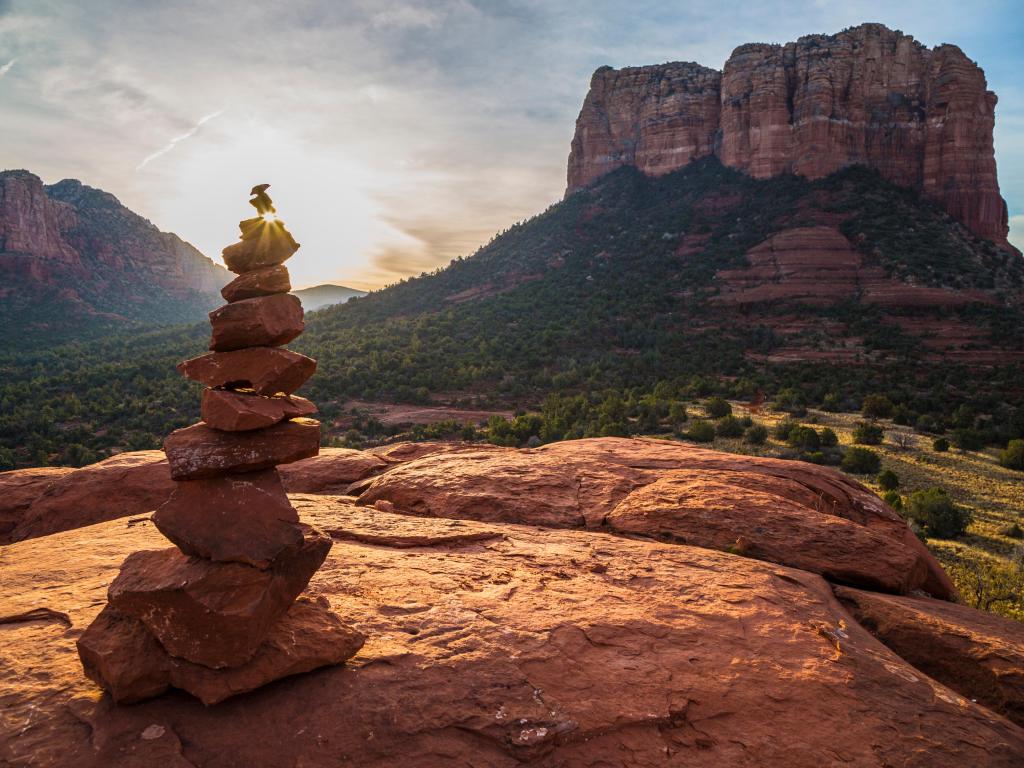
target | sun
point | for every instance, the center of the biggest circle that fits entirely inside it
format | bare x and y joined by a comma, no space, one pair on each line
268,216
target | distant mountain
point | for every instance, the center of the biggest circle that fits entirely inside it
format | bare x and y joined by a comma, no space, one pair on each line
325,295
76,263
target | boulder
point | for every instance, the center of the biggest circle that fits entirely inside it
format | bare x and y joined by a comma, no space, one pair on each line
266,370
214,614
264,244
262,282
266,321
238,518
759,517
122,657
330,471
197,451
234,411
549,647
41,502
979,655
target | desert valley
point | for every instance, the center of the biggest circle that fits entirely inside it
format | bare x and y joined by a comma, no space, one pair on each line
717,460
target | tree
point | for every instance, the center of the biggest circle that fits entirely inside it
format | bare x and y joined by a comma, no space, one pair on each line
829,439
888,480
968,439
860,461
903,440
877,407
804,439
937,513
1013,456
940,444
756,435
867,433
718,407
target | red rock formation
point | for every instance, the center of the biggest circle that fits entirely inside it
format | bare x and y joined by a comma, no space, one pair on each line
869,95
493,645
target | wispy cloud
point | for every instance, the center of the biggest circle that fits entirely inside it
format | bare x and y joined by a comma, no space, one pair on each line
178,139
7,67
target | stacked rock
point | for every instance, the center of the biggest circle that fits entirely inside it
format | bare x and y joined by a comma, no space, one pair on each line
217,615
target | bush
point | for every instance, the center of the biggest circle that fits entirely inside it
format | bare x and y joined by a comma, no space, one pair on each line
829,439
877,407
791,401
718,407
927,423
937,513
700,432
940,444
861,461
1013,456
888,480
831,403
729,426
893,499
756,435
814,457
867,433
968,439
804,439
782,429
677,413
1013,531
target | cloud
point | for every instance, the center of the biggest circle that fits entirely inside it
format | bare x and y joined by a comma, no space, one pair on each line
7,67
178,139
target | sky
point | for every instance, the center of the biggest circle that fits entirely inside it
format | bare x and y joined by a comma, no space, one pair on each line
396,135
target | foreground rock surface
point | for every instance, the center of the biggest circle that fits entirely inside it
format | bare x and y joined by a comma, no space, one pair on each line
498,645
979,655
120,654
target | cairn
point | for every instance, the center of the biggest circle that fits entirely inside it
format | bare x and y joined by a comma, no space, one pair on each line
217,614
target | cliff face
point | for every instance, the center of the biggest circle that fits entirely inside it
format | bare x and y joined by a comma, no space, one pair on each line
869,95
69,253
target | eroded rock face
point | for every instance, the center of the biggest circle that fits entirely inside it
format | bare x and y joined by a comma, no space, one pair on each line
868,95
499,645
198,452
213,614
266,370
979,655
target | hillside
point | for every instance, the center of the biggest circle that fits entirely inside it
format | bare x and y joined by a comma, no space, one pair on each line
78,264
320,296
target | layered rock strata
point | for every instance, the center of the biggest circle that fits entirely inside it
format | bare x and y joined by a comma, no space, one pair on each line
869,95
216,615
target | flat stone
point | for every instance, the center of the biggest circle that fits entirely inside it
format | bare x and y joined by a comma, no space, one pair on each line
239,518
261,282
266,321
265,370
214,614
264,244
121,656
233,411
198,451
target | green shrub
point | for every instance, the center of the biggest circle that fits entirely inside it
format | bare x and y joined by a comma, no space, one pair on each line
940,444
937,513
893,499
968,439
888,480
782,429
831,403
791,401
861,461
814,457
756,435
1013,456
877,407
718,407
867,433
677,413
804,439
829,438
729,426
700,432
927,423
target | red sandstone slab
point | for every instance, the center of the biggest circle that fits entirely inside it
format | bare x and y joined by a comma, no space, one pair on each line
264,244
238,518
265,321
120,655
241,411
266,370
214,614
261,282
196,452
